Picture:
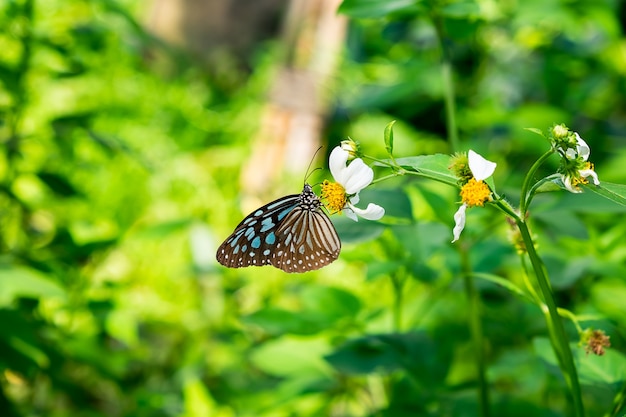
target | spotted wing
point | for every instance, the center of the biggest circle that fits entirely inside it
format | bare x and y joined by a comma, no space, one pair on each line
306,240
255,239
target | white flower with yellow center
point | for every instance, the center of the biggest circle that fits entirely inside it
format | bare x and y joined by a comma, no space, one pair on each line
475,192
351,178
578,168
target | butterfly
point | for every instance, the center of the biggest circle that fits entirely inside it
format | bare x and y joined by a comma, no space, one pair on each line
292,233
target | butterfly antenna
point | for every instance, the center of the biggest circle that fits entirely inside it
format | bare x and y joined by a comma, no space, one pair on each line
308,174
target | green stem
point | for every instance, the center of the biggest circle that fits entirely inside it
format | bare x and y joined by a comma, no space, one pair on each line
525,198
448,84
560,342
397,282
476,330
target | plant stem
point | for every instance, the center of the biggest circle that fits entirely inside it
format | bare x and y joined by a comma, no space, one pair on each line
560,342
397,281
525,198
448,84
476,330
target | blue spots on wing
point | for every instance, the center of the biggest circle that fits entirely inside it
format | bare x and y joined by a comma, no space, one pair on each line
283,213
267,224
256,242
270,239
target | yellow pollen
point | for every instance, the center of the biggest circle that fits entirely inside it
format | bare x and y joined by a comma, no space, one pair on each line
580,179
335,196
475,193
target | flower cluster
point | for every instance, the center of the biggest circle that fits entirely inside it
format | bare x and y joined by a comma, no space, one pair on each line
595,341
350,178
575,167
474,190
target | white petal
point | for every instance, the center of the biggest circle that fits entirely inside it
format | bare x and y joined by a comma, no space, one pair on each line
337,164
350,214
567,182
582,148
459,222
357,176
480,167
355,199
590,173
570,153
372,212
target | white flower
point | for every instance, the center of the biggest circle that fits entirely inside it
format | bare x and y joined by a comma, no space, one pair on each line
573,176
459,222
480,167
352,178
475,192
582,149
571,183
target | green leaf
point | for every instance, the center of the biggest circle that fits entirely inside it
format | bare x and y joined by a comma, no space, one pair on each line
58,184
415,352
461,9
432,166
610,191
23,282
378,8
395,202
357,232
292,356
389,138
330,302
504,283
535,130
278,321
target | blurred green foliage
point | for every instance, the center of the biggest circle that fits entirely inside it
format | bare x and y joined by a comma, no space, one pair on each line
118,164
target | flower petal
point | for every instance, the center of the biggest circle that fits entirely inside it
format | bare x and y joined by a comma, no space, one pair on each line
480,167
582,148
357,176
372,212
337,164
350,214
590,173
459,222
567,182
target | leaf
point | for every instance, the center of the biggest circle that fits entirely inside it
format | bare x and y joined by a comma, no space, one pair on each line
535,130
389,138
461,9
378,8
58,184
414,352
278,321
610,191
504,283
431,166
330,302
292,356
357,232
23,282
395,202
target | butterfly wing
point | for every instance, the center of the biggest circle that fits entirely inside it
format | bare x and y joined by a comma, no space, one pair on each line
254,240
306,240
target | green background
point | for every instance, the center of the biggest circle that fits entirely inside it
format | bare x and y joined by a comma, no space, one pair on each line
119,166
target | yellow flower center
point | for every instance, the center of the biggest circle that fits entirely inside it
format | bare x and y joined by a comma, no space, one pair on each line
475,193
334,195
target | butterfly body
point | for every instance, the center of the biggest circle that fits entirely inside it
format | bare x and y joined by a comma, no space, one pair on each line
292,233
